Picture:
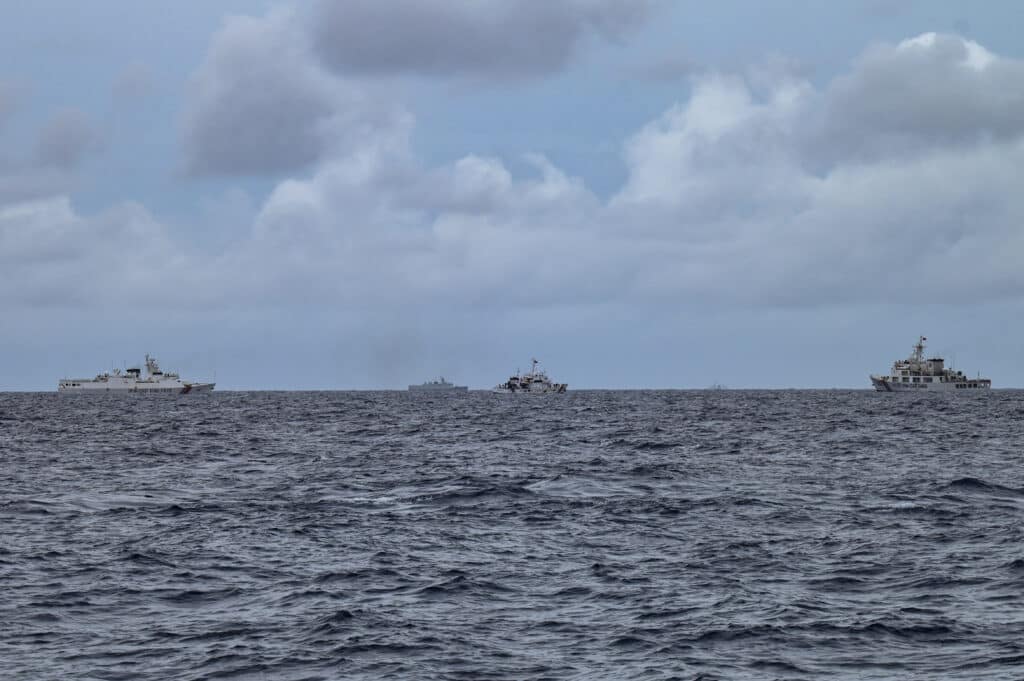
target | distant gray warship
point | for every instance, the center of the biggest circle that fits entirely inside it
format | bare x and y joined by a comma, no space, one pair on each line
438,386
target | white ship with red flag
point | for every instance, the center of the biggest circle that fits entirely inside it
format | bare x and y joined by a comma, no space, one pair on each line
535,382
917,373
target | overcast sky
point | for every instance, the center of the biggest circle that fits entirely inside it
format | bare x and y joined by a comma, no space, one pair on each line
368,193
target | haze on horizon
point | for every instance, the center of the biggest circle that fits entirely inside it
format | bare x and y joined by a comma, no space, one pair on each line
640,193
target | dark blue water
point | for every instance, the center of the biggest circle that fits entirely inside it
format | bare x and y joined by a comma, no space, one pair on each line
613,535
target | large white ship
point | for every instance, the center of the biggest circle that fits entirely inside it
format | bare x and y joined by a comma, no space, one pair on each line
917,373
131,380
536,382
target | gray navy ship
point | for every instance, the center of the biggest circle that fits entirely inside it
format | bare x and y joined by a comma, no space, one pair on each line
438,386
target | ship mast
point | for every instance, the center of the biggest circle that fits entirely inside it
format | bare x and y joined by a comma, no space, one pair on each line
918,355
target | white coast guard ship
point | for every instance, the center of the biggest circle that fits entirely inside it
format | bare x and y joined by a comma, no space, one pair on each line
536,382
131,380
918,373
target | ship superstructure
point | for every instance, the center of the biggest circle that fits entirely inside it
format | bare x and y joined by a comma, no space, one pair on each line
132,380
917,373
536,381
440,385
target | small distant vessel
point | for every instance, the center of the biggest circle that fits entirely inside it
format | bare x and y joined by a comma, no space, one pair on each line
917,373
535,382
131,380
438,386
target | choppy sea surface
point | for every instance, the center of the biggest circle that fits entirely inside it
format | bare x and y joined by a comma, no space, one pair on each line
592,535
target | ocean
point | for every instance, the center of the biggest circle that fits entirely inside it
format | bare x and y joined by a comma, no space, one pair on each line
594,535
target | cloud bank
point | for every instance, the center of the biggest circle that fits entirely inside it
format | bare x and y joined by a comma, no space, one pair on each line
897,181
476,38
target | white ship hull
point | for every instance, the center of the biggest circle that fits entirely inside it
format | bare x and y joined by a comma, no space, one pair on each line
886,385
93,387
532,390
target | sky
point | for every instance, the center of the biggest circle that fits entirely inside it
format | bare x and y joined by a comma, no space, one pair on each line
363,194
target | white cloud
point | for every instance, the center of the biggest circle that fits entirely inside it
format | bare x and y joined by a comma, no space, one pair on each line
928,91
51,255
966,52
770,218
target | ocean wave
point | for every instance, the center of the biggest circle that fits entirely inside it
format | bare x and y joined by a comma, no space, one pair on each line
720,535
